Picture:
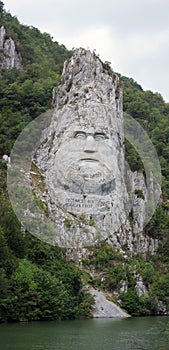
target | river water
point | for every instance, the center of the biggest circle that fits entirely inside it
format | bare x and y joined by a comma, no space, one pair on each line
142,333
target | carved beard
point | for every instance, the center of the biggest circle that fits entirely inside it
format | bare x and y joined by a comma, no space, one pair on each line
86,177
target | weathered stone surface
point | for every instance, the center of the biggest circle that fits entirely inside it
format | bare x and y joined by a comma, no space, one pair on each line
6,159
9,57
82,159
104,308
162,309
140,287
84,189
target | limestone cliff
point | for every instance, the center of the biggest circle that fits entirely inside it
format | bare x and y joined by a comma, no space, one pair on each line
9,57
84,190
104,308
91,194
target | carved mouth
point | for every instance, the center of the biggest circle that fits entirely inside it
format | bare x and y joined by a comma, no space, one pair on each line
90,160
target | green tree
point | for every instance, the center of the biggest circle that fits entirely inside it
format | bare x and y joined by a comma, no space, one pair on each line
130,302
148,273
1,7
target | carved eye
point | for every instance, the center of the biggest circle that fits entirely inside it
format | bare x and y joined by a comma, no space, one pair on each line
80,135
99,136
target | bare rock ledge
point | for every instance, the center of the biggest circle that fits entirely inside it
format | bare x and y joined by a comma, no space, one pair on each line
104,308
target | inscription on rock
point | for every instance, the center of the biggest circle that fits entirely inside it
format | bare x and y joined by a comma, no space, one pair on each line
83,155
80,203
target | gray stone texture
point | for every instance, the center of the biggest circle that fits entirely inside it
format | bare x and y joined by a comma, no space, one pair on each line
9,57
82,160
104,308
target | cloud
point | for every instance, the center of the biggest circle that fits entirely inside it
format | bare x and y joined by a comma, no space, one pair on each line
133,35
74,15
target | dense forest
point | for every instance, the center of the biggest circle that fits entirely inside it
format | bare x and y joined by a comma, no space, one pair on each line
37,282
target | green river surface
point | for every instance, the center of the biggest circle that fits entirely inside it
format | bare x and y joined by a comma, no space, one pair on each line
140,333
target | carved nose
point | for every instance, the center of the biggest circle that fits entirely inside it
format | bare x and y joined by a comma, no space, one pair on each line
90,144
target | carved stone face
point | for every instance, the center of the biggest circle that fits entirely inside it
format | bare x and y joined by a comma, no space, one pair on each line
85,160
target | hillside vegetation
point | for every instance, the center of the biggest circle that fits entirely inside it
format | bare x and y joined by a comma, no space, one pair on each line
36,280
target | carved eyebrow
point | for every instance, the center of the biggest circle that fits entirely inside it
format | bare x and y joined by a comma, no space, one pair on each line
79,133
101,134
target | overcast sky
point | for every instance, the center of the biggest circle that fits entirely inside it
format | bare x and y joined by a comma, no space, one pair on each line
132,34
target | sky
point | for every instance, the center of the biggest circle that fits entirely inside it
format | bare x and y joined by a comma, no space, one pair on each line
131,34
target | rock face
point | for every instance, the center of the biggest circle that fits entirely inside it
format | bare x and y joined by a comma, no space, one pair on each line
140,287
82,159
9,57
104,308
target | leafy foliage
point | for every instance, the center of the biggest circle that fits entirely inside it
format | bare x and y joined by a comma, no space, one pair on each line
111,271
36,281
24,94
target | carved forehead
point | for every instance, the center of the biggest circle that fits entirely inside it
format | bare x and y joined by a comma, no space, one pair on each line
84,117
88,128
92,110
